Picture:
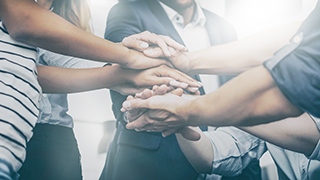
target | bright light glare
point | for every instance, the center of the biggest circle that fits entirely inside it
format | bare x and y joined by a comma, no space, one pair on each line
251,16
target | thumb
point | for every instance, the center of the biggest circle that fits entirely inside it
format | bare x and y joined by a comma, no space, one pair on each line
134,44
134,104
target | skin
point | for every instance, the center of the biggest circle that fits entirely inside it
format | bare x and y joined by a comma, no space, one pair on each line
244,92
30,23
125,81
297,134
41,26
238,95
246,53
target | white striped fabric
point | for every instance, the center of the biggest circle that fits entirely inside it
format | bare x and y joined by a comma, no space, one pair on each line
19,98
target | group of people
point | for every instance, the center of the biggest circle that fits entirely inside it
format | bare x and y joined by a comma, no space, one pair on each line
150,49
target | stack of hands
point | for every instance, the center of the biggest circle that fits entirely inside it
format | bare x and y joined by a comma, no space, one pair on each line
155,109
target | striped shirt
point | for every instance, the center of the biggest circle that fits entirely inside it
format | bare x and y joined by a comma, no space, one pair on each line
19,98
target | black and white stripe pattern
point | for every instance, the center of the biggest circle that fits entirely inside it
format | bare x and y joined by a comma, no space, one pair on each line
19,97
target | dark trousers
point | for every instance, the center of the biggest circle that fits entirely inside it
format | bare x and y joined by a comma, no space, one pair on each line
52,154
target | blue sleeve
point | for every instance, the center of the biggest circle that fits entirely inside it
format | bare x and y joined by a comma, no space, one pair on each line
296,67
233,150
122,21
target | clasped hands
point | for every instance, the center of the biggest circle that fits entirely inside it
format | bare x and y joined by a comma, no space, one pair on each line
150,63
163,118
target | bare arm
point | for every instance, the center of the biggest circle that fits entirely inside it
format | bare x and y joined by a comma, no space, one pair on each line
125,81
297,134
239,56
199,153
232,58
27,22
249,99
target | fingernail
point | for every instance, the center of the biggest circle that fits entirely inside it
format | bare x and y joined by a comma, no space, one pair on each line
127,105
167,52
144,45
184,85
194,88
174,83
149,51
198,84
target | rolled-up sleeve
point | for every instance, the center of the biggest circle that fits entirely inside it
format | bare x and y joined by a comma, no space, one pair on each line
234,150
316,152
296,67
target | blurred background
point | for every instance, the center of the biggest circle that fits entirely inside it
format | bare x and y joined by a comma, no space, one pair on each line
94,121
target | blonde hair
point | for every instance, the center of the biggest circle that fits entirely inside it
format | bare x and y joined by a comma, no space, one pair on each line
76,12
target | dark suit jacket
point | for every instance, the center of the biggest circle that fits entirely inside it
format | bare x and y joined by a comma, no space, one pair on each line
141,155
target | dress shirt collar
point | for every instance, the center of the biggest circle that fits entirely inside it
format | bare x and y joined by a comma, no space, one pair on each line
199,19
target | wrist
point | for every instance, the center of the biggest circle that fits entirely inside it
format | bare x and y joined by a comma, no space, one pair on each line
120,75
187,113
194,58
125,56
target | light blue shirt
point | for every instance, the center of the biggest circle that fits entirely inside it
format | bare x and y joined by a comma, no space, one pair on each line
234,149
54,107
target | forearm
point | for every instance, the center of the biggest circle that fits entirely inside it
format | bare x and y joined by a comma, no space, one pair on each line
29,23
199,153
239,56
65,80
297,134
249,99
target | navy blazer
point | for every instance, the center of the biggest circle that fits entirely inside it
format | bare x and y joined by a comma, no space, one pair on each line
142,155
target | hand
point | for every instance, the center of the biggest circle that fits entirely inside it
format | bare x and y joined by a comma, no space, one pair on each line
137,80
142,117
179,59
142,41
137,60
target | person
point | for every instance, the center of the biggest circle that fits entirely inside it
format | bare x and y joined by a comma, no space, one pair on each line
293,144
52,152
180,20
26,22
250,104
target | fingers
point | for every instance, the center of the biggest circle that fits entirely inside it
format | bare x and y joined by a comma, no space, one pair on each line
193,90
178,92
141,124
154,39
166,75
174,44
162,41
146,94
161,90
132,42
179,76
154,52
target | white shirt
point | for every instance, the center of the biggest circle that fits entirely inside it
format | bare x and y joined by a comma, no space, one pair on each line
195,37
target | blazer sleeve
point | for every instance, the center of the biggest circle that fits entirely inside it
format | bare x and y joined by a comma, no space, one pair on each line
123,20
